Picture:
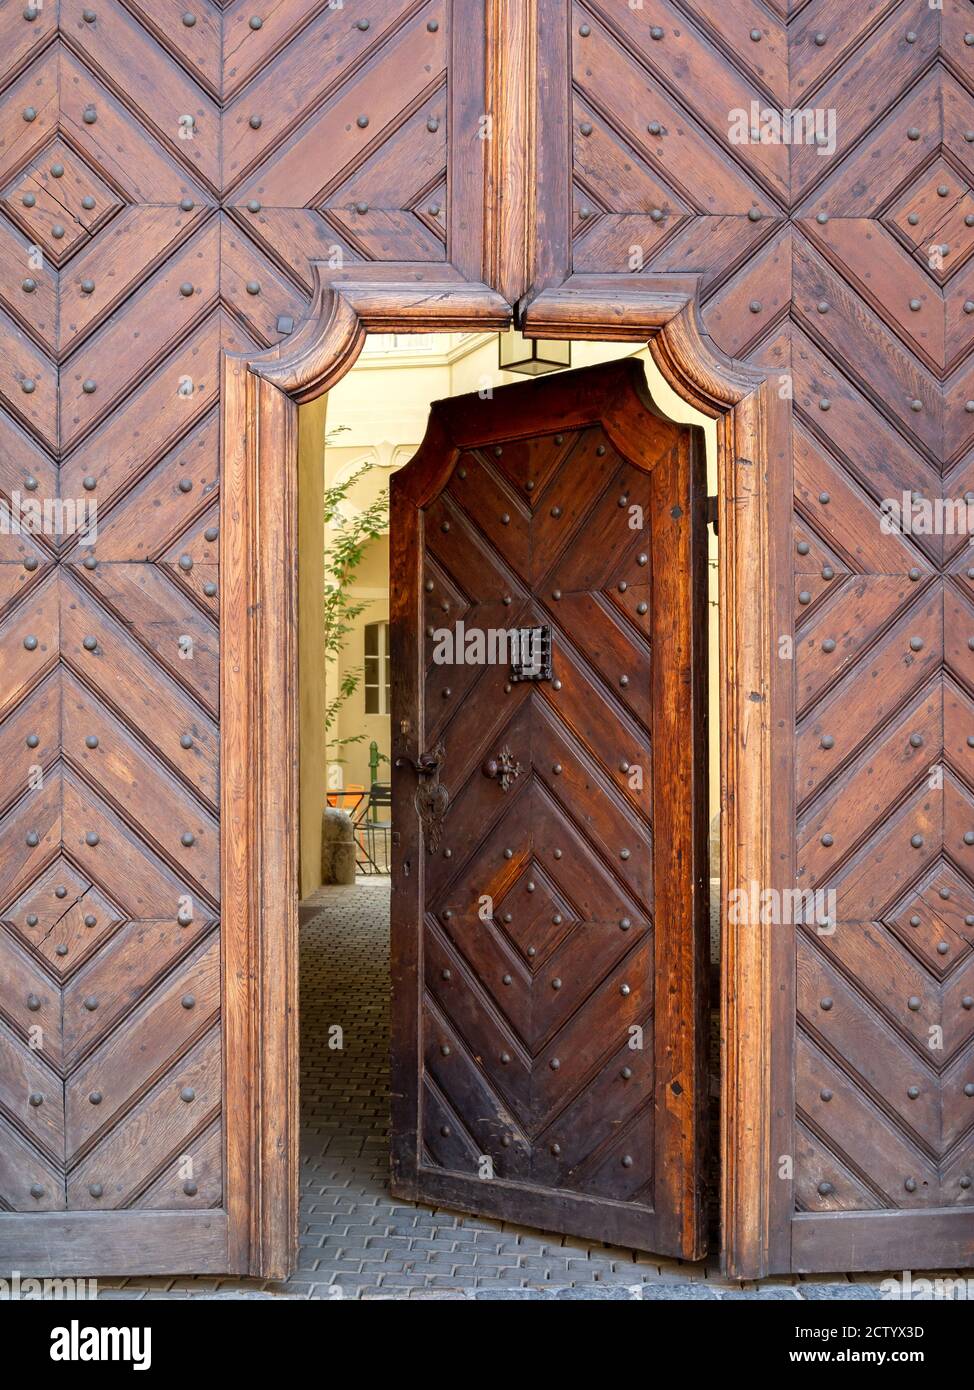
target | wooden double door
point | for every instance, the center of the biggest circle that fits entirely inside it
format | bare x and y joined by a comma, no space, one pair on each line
549,736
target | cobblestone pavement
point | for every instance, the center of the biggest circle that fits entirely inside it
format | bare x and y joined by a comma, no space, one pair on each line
355,1238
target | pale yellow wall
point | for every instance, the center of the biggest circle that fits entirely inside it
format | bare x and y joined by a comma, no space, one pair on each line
378,411
311,639
372,585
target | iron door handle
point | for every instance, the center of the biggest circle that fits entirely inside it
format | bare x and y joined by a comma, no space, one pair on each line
426,765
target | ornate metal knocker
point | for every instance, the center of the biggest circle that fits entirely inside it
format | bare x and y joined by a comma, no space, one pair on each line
505,767
431,799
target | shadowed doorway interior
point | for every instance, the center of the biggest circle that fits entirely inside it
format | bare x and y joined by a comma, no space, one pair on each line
351,442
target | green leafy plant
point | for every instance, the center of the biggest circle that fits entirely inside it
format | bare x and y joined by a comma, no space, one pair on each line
350,535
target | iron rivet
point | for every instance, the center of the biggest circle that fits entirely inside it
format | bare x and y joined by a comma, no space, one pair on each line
911,36
755,306
826,1003
828,572
825,1188
914,920
96,1189
90,115
28,386
95,1098
916,406
505,1058
557,853
913,1003
188,1001
623,681
32,919
186,289
556,983
655,32
819,40
87,287
823,306
362,24
755,35
189,20
188,838
753,215
92,838
625,990
30,113
255,21
804,597
967,1002
554,1064
89,387
828,645
969,1089
556,685
33,1003
190,1189
969,837
913,219
30,643
916,644
825,403
506,980
90,643
914,575
916,740
253,205
90,483
556,768
362,122
965,1182
944,892
556,594
910,1185
91,1003
625,923
913,133
60,891
827,841
32,740
33,839
91,920
626,1161
506,519
209,589
825,1094
624,854
433,25
655,128
825,498
29,200
255,122
913,1092
584,30
28,286
185,485
916,841
626,1073
943,947
35,1188
187,1094
35,1098
446,974
821,218
432,124
186,741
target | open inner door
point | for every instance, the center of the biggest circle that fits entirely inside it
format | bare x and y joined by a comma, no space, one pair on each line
550,792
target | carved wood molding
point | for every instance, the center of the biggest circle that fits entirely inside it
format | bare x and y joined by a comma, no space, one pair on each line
259,693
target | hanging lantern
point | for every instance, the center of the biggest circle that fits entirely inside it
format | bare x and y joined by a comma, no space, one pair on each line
532,356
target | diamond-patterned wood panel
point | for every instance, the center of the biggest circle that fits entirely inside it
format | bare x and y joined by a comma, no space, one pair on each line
166,175
848,272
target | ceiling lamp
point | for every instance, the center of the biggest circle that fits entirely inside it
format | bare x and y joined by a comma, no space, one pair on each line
532,356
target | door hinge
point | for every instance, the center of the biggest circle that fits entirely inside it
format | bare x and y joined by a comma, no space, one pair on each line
712,513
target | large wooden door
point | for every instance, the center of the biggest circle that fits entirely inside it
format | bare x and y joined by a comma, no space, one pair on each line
549,903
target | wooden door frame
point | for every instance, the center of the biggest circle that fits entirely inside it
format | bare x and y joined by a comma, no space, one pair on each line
259,761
